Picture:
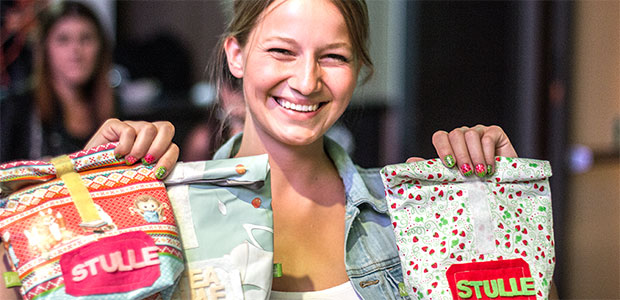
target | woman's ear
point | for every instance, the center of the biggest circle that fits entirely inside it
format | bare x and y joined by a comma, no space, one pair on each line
234,56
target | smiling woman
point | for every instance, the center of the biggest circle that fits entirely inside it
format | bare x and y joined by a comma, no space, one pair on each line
287,69
298,80
298,62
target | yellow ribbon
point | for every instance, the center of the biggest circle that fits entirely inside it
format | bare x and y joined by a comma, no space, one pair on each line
78,191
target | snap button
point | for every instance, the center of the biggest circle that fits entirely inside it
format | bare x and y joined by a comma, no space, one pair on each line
256,202
240,169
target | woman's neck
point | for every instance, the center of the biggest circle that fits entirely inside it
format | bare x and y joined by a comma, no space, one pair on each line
297,173
78,117
68,95
291,161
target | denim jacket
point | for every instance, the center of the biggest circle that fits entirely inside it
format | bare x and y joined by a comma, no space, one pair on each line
371,256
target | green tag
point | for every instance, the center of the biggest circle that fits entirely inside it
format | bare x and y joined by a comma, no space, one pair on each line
401,289
277,270
11,279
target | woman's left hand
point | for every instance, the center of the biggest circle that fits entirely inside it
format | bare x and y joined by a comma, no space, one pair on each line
472,149
139,139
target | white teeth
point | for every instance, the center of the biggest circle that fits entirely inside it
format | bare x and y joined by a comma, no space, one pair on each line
298,107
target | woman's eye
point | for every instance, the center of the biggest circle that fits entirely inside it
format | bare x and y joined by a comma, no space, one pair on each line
61,39
280,51
87,38
337,57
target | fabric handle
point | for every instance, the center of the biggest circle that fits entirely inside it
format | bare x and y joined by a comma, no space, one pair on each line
79,193
481,217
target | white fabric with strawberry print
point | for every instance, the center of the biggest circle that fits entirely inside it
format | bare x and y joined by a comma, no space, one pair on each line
470,238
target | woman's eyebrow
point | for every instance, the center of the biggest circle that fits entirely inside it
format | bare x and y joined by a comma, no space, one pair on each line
338,45
281,39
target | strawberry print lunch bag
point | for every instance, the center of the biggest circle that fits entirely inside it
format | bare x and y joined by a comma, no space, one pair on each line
88,226
472,238
223,210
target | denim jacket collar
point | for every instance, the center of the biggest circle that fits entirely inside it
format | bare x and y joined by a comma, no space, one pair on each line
355,186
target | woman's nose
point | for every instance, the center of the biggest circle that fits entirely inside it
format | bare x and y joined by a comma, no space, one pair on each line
306,78
75,46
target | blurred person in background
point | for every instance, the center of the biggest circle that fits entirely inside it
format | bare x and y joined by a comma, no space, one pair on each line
70,95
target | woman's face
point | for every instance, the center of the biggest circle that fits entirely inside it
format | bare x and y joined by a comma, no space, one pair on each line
298,70
73,49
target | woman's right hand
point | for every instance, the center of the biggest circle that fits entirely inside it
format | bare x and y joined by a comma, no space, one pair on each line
139,140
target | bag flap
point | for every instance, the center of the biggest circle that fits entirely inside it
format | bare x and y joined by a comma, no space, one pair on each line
514,169
250,171
17,174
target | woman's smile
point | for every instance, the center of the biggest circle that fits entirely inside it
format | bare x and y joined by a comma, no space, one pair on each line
303,108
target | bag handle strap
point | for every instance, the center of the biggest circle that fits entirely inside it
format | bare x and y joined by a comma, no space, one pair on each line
79,193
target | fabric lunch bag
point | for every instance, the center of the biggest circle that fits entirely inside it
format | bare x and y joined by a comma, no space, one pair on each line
472,238
223,209
87,226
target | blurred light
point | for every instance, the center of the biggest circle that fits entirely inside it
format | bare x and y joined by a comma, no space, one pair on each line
581,158
117,75
203,94
115,78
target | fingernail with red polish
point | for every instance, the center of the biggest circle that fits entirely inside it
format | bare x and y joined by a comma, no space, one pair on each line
130,160
466,169
148,159
481,170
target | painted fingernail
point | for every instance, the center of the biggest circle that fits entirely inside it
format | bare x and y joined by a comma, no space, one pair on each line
490,170
449,160
130,160
117,156
148,159
481,170
160,172
466,169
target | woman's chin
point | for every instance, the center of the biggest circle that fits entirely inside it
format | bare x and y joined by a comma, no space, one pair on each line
300,137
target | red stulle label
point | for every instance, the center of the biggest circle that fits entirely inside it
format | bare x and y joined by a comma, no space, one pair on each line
116,264
501,279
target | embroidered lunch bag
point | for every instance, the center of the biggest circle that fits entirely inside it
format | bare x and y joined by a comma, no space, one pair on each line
223,210
472,238
88,226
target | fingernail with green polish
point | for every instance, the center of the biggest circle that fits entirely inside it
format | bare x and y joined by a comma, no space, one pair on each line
449,160
490,170
117,156
161,171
